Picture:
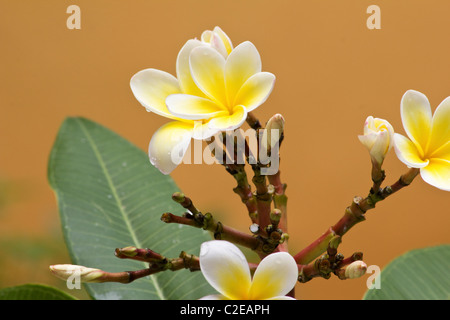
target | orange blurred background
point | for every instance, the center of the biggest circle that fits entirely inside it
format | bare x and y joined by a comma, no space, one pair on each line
332,72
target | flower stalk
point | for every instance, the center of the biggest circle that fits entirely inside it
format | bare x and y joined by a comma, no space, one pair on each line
252,121
332,264
354,214
279,198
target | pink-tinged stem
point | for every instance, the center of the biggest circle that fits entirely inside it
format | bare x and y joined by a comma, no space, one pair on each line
354,214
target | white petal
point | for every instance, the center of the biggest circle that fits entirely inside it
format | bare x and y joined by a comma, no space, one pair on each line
416,117
255,91
184,76
440,132
282,298
217,43
276,275
225,39
218,40
384,125
206,36
203,131
368,139
186,106
242,63
226,269
437,173
207,70
169,144
380,147
230,121
442,152
407,152
151,88
214,297
369,125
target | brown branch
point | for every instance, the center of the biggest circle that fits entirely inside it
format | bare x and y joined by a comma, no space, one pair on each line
354,214
220,231
185,202
253,122
133,253
125,276
158,263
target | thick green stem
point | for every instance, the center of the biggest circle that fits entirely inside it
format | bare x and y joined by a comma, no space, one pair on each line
280,202
378,176
263,197
244,191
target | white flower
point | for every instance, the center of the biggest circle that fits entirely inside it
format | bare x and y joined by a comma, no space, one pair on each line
428,146
226,269
216,86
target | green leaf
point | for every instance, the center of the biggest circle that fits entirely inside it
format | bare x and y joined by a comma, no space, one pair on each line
420,274
110,196
34,292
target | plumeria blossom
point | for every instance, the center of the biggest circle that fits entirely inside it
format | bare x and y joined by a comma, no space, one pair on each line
428,146
226,269
378,138
216,86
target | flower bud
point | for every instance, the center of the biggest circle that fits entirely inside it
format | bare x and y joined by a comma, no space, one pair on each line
284,237
254,228
127,251
178,197
64,271
378,138
275,216
218,40
355,270
272,134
